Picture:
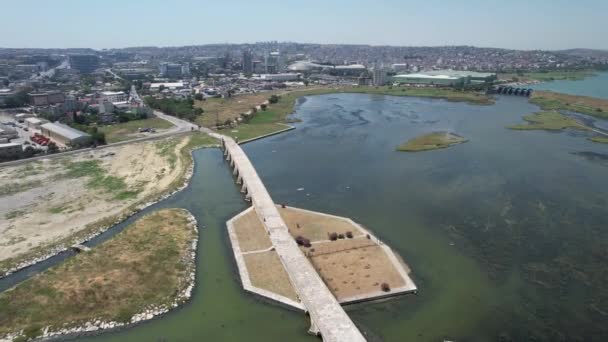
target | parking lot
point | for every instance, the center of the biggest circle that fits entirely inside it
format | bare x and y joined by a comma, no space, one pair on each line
24,132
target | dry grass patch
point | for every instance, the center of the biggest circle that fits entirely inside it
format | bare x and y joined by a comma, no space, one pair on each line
337,246
314,226
551,121
549,100
222,109
251,233
356,272
266,272
148,263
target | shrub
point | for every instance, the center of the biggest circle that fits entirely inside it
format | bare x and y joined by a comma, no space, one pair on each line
385,287
340,236
368,237
306,243
263,106
333,236
349,234
300,240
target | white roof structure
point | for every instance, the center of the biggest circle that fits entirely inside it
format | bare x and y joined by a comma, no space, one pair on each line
34,121
167,85
64,131
352,66
6,145
441,77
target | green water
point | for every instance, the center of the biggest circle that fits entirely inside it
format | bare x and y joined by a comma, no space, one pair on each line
506,234
219,309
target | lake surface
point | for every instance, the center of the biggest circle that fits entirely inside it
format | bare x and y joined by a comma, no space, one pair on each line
596,86
506,235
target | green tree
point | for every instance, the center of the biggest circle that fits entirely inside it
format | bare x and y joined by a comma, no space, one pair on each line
273,99
52,148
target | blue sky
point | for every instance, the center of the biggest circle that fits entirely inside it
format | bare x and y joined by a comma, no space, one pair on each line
521,24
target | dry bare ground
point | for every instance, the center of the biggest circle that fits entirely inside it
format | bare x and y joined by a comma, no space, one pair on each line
45,202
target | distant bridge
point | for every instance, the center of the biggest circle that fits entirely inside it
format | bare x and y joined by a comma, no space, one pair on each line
509,90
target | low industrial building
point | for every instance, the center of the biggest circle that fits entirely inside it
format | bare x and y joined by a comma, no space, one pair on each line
10,151
429,80
46,98
280,77
471,76
34,122
8,132
114,96
447,78
64,134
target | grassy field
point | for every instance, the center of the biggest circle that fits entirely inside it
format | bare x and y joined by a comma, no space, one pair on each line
146,264
552,121
98,179
592,106
548,76
601,140
431,141
130,130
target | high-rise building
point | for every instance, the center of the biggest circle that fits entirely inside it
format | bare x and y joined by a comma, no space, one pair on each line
171,70
247,62
274,63
379,76
85,64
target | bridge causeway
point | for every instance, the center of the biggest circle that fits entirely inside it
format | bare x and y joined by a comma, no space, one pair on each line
328,318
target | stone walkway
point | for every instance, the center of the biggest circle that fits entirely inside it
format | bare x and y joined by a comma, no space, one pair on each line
328,318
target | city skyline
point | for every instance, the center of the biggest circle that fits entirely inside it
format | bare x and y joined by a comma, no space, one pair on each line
114,24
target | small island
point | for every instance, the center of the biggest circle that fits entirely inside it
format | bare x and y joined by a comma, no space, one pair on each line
431,141
143,271
601,140
551,121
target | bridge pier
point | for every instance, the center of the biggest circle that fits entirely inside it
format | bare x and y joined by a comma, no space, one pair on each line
244,188
313,330
239,179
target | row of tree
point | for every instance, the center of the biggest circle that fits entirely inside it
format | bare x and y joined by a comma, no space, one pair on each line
183,109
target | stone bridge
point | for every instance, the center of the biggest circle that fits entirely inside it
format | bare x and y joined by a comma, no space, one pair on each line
328,318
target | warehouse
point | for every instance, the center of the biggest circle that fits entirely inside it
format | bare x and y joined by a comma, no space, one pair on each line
472,76
431,80
448,78
64,135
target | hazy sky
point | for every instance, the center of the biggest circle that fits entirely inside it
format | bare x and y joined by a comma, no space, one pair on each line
521,24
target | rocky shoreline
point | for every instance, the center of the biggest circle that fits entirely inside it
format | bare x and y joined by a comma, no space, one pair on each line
154,310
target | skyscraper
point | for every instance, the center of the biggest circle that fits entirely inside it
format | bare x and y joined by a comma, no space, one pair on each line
247,62
85,64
